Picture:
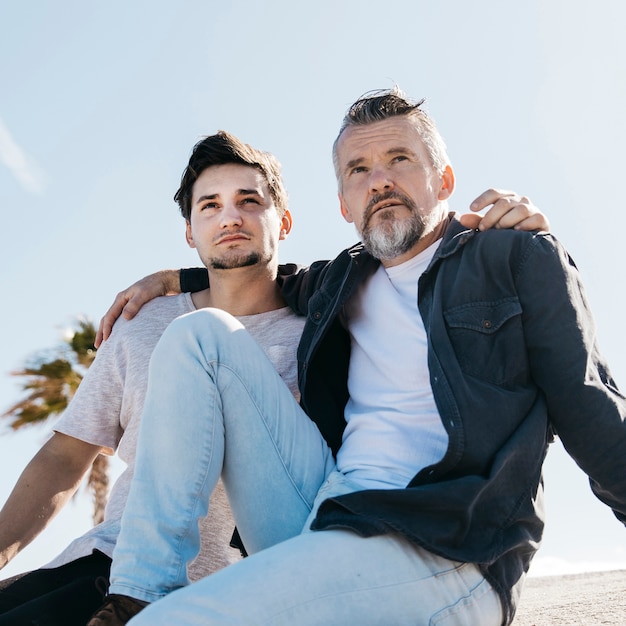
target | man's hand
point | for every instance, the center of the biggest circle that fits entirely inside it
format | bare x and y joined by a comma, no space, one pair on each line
128,302
508,210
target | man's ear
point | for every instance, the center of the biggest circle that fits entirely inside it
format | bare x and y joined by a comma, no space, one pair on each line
447,183
285,225
345,211
189,235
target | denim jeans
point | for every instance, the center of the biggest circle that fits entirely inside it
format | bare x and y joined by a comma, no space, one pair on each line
216,405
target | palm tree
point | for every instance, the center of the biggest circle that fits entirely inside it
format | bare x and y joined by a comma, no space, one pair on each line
50,384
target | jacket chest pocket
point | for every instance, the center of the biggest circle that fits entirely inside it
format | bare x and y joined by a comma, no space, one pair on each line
488,340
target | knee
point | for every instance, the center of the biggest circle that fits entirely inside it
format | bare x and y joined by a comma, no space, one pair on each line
214,321
198,327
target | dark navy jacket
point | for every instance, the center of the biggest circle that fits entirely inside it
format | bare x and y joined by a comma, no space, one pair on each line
512,360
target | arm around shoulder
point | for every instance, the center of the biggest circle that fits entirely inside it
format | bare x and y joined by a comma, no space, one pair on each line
128,302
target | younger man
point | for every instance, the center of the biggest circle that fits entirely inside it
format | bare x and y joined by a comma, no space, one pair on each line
235,207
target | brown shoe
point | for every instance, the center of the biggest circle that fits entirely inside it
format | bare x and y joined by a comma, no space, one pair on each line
116,611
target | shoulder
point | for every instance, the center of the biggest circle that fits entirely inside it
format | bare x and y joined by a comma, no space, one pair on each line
520,254
522,243
507,242
166,306
153,317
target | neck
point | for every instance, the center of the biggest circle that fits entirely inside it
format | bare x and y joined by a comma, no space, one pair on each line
241,291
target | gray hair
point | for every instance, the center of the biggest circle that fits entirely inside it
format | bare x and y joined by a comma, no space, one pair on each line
383,104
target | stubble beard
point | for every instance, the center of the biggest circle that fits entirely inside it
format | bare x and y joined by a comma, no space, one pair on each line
230,263
391,236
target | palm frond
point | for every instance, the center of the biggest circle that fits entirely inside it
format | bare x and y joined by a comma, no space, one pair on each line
49,384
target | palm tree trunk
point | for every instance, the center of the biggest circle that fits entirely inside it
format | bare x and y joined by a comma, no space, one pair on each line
99,483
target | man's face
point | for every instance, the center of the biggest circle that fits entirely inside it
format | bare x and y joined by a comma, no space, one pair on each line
390,190
233,221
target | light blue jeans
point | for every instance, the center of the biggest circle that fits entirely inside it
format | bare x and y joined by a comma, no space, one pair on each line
215,405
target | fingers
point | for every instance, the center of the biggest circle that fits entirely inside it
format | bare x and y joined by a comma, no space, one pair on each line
520,216
99,335
106,323
489,197
128,302
513,211
470,220
538,221
508,210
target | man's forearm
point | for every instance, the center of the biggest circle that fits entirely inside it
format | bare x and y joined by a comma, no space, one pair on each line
44,487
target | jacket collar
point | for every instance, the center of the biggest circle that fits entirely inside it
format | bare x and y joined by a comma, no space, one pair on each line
455,236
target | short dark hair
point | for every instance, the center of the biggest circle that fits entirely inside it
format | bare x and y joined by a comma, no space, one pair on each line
382,104
224,148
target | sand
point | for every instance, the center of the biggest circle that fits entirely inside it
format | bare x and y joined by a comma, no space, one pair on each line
577,599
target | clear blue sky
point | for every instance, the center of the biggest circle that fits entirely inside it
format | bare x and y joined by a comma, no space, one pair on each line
102,102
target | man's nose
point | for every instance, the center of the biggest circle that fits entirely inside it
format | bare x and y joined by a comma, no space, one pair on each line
380,180
231,216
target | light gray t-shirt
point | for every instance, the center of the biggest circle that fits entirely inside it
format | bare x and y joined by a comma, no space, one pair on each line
107,407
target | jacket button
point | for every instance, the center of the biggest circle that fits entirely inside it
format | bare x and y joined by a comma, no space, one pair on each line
486,324
317,316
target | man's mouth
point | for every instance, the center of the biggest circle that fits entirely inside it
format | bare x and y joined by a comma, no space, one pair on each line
232,238
386,205
381,206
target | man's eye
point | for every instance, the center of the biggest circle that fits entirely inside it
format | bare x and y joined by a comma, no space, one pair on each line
250,200
400,157
209,205
358,169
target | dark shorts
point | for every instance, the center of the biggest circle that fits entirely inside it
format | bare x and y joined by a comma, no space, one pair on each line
62,596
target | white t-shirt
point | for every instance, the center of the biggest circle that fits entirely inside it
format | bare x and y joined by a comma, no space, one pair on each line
393,426
107,407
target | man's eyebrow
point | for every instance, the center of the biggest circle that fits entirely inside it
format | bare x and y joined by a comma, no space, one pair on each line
354,162
400,150
240,192
211,196
391,152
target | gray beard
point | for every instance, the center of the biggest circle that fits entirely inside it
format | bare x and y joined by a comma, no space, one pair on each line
234,262
391,237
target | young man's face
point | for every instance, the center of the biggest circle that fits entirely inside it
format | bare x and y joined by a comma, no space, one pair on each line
389,187
233,221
